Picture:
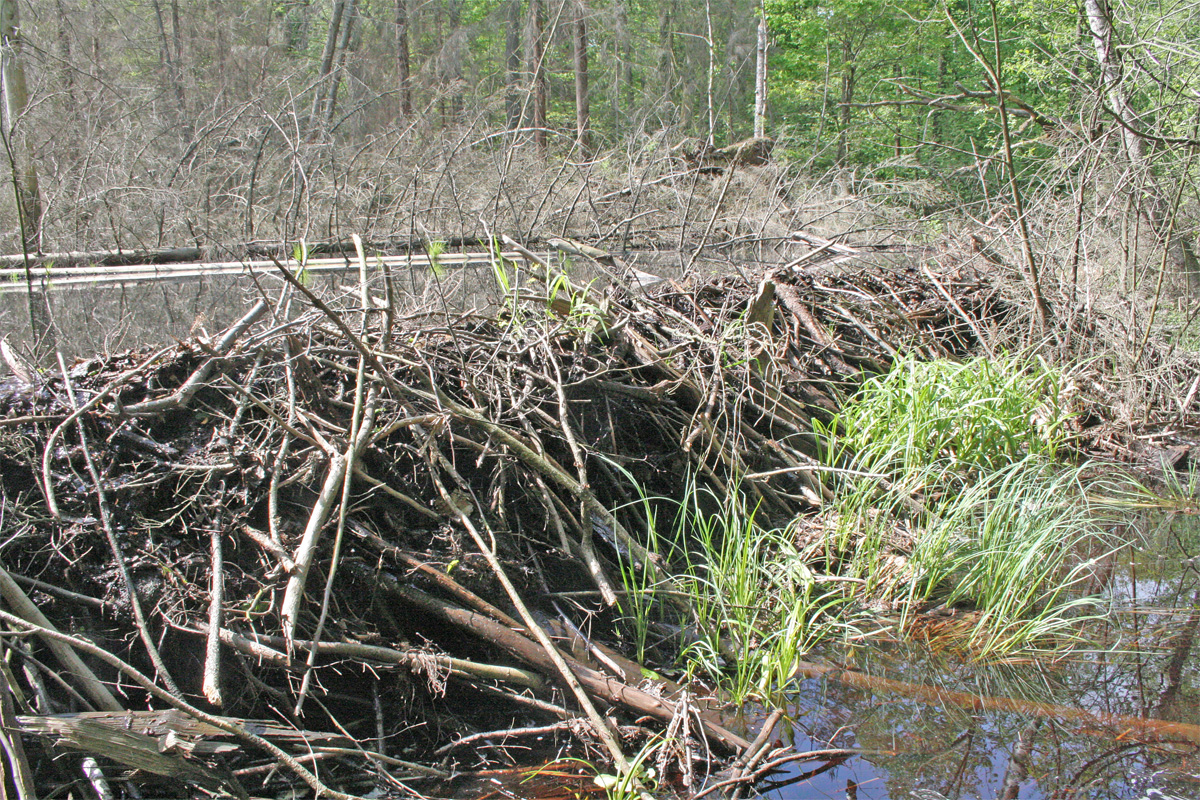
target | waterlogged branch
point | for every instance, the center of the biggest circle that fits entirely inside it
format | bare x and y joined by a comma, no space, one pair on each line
1120,725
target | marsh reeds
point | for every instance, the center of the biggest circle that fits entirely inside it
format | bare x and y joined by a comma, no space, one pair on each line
760,609
956,520
968,512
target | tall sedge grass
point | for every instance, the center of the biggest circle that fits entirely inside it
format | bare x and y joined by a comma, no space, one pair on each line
973,416
972,511
1170,490
1012,546
965,508
752,594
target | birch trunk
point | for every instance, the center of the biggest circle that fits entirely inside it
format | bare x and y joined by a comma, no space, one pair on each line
1155,207
760,77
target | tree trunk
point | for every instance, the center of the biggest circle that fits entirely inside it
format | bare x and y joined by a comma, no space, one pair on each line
335,80
760,77
537,55
666,43
512,66
620,73
897,140
66,70
177,55
24,178
454,45
1155,205
712,73
326,66
170,67
936,116
403,59
848,76
583,129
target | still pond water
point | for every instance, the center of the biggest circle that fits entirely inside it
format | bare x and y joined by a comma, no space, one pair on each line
1142,663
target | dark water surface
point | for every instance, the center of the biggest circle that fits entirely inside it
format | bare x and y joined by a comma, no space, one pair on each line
1141,663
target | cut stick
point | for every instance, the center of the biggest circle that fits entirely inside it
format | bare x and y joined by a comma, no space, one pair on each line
606,688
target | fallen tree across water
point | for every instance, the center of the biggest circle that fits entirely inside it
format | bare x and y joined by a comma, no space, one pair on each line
397,530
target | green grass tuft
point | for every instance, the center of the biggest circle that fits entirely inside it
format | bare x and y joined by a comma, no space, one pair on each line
970,510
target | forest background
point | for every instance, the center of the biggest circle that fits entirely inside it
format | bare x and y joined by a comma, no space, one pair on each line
1059,135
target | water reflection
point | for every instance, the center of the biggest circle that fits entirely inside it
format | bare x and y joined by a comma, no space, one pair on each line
1083,726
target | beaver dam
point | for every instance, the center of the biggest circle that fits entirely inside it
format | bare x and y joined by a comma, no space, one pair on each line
600,537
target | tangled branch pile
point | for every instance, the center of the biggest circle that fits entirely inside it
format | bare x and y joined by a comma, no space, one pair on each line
393,532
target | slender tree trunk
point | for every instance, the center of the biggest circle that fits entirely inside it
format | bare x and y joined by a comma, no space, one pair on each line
24,177
537,55
403,59
335,80
326,66
454,44
712,71
620,72
936,125
512,65
66,70
1155,205
170,67
177,55
848,78
760,75
666,43
438,13
223,73
897,141
583,119
626,73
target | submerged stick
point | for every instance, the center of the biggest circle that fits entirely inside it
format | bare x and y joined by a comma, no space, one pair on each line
1154,729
